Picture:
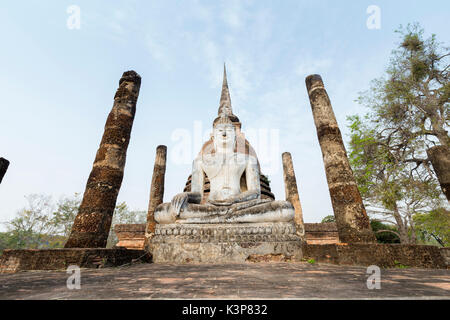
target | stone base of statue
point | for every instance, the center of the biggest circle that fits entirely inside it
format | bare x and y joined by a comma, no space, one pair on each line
223,243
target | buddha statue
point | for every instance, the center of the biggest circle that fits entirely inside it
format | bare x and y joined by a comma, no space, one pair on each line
232,168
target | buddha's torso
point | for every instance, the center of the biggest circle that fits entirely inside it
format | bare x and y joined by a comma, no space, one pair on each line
224,172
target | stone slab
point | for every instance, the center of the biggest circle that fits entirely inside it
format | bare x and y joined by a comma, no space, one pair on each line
223,243
222,252
229,281
53,259
131,236
321,233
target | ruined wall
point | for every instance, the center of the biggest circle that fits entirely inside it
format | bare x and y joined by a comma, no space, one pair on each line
382,255
59,259
131,236
321,233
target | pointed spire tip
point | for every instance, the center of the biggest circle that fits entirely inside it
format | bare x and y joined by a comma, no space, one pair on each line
225,100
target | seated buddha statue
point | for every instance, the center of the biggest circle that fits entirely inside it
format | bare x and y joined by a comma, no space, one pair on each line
229,166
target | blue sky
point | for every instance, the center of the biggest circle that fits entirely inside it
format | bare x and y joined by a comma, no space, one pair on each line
57,85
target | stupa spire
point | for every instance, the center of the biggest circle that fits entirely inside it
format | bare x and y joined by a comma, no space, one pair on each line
225,99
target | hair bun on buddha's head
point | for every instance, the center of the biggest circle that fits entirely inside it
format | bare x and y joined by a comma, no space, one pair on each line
222,119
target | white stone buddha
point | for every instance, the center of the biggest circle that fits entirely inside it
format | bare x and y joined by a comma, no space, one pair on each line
234,175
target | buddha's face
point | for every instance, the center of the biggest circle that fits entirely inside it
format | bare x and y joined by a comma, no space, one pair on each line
224,136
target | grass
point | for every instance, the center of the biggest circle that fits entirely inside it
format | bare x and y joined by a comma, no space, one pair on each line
399,265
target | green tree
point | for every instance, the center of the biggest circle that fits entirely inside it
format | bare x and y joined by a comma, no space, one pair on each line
6,241
329,218
44,224
123,215
434,225
392,190
410,104
32,224
408,115
65,213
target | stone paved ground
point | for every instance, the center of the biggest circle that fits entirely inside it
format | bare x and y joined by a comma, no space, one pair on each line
232,281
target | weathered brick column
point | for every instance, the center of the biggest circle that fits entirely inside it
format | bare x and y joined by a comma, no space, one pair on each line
290,187
351,217
93,221
4,164
157,188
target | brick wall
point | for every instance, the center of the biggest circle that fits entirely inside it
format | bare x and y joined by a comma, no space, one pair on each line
132,236
321,233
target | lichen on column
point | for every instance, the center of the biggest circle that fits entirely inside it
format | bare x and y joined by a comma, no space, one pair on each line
351,217
157,188
93,221
290,186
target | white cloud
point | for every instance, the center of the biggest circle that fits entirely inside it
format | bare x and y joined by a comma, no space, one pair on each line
159,51
307,66
232,12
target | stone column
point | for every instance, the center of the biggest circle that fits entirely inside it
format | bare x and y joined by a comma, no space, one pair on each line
156,189
440,159
93,221
4,164
351,217
290,187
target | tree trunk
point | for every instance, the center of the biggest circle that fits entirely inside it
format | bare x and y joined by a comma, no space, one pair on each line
440,159
402,227
3,167
412,227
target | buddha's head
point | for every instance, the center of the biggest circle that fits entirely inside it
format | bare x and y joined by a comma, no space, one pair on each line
224,135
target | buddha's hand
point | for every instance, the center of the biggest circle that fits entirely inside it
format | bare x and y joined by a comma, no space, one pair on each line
179,201
227,202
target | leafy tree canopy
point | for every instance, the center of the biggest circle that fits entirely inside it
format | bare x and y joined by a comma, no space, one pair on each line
434,225
408,114
46,224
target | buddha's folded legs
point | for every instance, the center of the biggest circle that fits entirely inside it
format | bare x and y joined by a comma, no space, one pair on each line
250,211
165,214
273,211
